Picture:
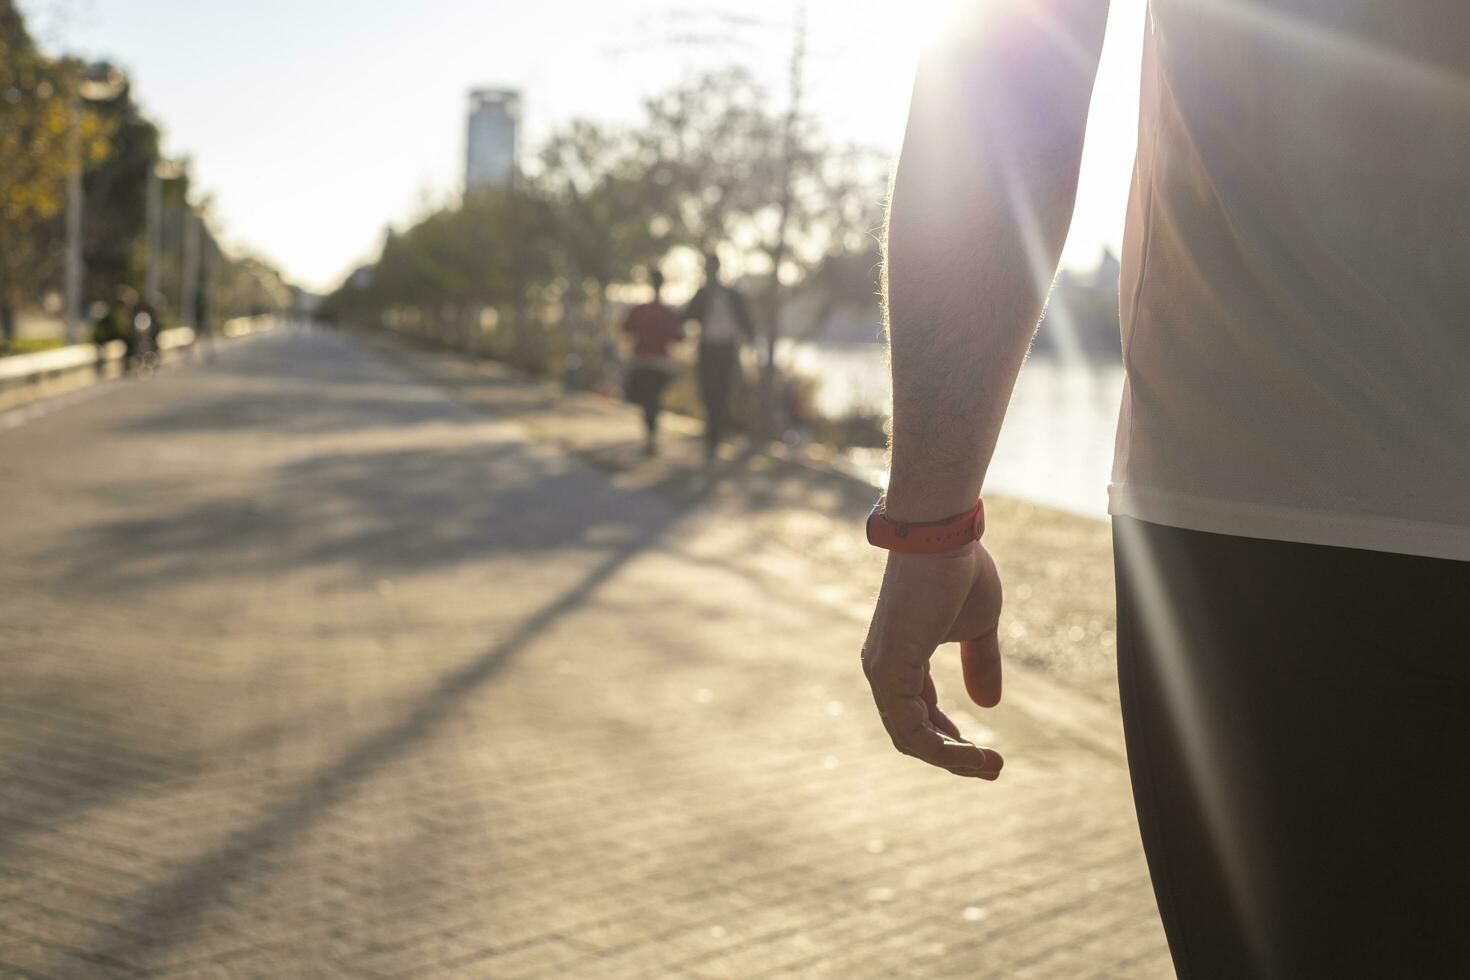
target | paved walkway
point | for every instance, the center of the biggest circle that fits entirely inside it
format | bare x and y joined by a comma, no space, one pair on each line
314,668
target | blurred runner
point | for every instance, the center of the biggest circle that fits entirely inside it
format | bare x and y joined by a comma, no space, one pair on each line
724,321
653,328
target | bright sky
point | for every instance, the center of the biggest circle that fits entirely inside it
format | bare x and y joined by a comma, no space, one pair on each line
315,123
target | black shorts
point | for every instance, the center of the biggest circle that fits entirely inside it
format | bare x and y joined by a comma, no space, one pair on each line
645,386
1298,730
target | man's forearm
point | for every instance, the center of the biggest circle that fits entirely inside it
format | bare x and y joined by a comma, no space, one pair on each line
982,200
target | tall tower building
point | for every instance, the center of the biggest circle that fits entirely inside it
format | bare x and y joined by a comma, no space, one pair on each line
490,143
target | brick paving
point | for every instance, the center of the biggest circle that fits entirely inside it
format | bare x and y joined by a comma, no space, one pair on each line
327,659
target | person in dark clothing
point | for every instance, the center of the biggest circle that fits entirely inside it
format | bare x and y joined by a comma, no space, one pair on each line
724,321
146,328
117,322
117,325
203,327
653,328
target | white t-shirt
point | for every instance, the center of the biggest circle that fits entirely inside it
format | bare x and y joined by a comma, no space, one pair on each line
719,325
1296,277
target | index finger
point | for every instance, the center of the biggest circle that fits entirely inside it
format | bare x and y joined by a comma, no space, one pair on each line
908,723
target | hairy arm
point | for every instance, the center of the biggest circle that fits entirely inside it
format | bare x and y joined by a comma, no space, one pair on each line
982,200
981,203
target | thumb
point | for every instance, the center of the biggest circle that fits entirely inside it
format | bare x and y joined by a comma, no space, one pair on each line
980,660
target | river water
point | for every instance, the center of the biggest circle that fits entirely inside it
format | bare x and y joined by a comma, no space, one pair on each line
1055,448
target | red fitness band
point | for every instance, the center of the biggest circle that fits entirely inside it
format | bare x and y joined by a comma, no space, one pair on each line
926,537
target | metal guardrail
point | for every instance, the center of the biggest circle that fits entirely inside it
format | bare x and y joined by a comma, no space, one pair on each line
27,376
23,367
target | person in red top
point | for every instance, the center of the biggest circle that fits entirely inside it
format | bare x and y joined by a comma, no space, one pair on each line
653,328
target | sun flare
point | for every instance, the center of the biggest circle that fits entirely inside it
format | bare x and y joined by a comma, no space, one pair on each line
926,22
922,23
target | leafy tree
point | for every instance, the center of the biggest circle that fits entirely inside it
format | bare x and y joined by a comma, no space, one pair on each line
116,192
844,281
493,251
39,105
709,146
602,210
247,286
711,165
764,183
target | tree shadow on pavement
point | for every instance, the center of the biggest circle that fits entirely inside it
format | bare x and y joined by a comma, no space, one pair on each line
308,384
360,516
366,515
168,913
85,759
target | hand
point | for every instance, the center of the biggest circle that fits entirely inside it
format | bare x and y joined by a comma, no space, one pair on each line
928,600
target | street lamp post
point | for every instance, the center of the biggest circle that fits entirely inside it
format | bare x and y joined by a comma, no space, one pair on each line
188,289
157,174
100,83
75,271
153,209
